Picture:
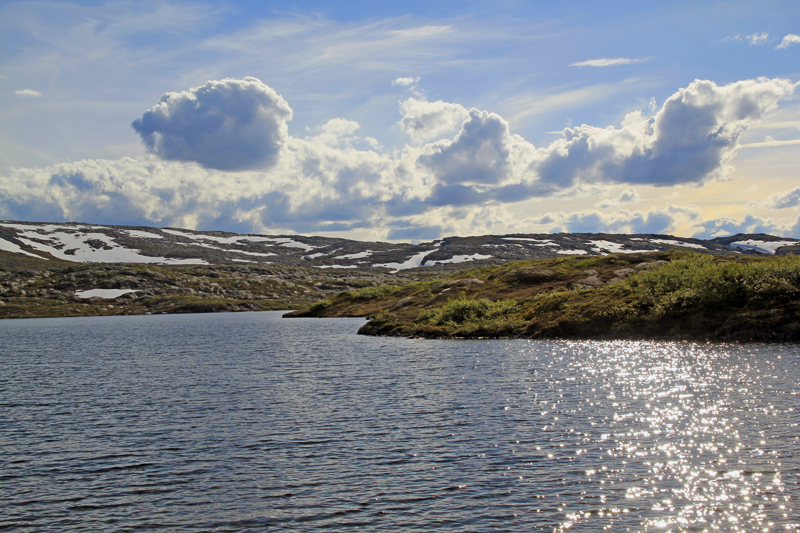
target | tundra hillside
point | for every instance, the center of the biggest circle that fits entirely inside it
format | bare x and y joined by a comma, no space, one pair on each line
662,295
31,288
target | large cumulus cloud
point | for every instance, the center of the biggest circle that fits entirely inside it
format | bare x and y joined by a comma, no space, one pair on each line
225,125
459,165
691,139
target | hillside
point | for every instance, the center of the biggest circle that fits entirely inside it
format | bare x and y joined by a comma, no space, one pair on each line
72,269
87,243
664,295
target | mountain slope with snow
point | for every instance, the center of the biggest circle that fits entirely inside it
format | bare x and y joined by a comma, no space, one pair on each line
88,243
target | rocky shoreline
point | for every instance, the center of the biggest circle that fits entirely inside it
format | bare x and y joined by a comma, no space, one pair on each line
665,295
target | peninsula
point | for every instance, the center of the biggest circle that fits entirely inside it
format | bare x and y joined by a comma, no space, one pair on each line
661,295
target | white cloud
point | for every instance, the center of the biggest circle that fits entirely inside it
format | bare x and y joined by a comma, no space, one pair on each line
655,220
770,142
629,195
609,62
755,39
724,226
788,41
423,120
462,168
781,200
27,92
691,139
406,81
225,125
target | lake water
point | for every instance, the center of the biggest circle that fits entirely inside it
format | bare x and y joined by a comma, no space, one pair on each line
231,422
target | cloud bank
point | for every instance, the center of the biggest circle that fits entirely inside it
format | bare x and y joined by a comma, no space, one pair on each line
221,157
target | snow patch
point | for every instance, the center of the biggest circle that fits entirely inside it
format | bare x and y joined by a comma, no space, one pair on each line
535,242
259,254
359,255
59,243
416,260
462,259
572,252
289,243
8,246
336,266
614,247
142,234
103,293
765,247
224,240
679,243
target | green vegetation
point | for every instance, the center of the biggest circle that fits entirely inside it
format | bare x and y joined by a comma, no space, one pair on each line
469,316
371,293
700,281
659,295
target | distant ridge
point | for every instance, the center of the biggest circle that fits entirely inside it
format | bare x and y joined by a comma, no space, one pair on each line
92,243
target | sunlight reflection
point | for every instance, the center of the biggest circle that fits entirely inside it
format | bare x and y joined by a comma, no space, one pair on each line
683,437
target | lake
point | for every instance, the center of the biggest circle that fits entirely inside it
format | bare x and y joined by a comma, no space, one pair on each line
232,422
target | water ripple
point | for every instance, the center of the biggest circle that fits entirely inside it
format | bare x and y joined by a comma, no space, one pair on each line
233,422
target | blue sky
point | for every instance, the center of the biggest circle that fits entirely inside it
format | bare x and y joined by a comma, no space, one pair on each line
403,121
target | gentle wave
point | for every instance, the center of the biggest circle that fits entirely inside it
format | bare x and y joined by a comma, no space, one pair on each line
231,422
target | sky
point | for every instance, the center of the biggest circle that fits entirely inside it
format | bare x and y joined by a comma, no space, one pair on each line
403,121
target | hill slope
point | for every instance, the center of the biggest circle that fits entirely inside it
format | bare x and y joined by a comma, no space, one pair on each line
75,269
675,295
87,243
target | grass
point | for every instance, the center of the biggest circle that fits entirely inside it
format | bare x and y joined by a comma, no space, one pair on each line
686,295
371,293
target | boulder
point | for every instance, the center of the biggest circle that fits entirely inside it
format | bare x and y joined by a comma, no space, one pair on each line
529,275
652,264
402,302
586,283
623,273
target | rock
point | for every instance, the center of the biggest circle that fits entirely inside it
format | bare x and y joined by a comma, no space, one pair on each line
624,272
402,302
530,275
586,283
652,264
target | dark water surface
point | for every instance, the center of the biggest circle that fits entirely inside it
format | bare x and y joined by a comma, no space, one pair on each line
231,422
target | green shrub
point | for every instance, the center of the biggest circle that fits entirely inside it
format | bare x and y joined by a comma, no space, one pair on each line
319,306
466,310
371,293
701,281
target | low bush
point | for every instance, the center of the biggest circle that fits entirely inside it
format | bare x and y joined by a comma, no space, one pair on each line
371,293
464,310
703,281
